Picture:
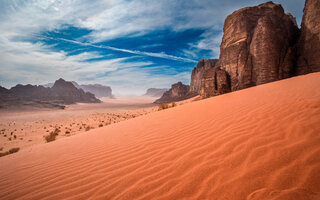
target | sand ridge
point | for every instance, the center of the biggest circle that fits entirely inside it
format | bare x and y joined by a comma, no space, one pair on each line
258,143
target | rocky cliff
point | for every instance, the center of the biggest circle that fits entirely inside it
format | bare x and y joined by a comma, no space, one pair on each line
177,92
155,92
259,45
197,73
309,43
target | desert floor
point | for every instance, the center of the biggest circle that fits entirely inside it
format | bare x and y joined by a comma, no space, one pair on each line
260,143
28,128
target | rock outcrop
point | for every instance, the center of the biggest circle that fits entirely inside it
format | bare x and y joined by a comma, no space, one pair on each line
197,73
258,45
309,43
155,92
62,92
177,92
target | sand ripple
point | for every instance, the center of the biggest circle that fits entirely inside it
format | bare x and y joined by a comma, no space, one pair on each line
258,143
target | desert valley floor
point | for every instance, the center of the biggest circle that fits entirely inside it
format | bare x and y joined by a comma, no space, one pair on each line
254,144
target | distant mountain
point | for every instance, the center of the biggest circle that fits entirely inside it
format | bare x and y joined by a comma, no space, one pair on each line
155,92
6,97
96,89
62,92
8,100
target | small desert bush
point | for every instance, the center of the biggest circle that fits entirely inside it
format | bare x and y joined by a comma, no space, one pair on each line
52,136
11,151
100,125
163,106
88,128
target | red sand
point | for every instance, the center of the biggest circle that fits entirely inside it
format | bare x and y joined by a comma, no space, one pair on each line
255,144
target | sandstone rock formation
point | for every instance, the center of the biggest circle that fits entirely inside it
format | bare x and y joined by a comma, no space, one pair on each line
177,92
309,43
258,45
197,73
62,92
155,92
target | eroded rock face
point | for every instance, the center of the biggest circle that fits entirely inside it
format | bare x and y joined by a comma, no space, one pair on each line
197,73
258,45
214,82
309,43
177,92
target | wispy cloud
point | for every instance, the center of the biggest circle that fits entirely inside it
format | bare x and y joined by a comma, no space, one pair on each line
136,52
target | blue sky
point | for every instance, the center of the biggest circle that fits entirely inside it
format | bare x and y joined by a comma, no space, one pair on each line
128,45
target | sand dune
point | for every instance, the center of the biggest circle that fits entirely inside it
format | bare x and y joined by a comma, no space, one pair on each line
255,144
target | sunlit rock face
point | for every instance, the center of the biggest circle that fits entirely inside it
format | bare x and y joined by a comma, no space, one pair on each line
258,45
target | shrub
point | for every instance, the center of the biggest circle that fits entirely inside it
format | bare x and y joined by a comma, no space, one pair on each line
52,136
88,128
100,125
13,150
173,104
163,106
